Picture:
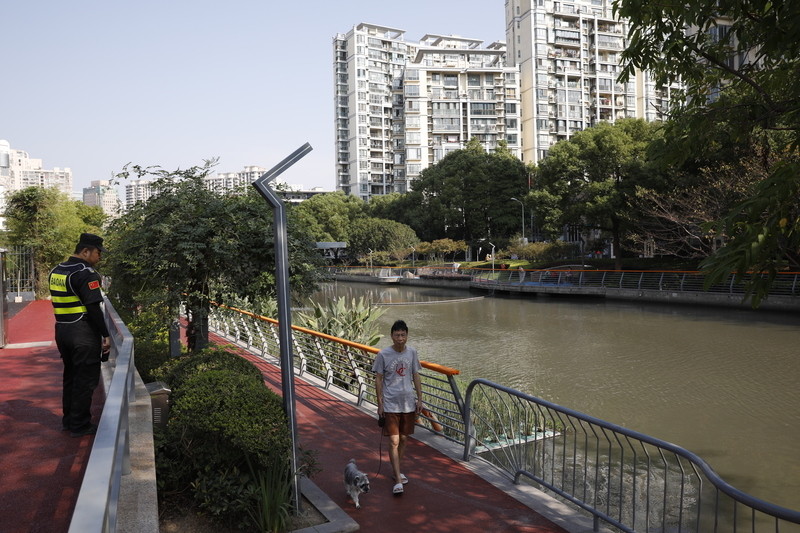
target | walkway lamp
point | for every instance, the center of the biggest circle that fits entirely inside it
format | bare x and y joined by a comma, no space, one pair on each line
492,245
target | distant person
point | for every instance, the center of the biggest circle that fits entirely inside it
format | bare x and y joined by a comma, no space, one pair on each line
399,391
81,333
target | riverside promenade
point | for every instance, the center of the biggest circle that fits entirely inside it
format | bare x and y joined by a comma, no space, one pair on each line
41,467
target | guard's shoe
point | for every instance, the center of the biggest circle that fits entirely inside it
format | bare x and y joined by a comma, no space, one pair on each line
91,429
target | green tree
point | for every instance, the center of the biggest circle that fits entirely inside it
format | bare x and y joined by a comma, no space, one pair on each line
466,195
595,174
379,235
740,62
328,217
188,244
48,222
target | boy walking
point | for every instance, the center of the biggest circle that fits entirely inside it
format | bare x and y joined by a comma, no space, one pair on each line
399,392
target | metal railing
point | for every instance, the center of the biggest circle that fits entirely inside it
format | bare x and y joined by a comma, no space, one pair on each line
630,481
785,283
19,270
344,364
96,506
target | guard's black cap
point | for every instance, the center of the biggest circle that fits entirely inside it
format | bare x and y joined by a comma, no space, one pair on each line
90,239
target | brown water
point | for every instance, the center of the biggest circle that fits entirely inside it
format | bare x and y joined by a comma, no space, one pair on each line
721,383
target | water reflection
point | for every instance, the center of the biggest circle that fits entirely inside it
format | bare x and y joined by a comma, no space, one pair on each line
719,382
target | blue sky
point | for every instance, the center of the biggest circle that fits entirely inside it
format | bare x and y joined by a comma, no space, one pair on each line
93,85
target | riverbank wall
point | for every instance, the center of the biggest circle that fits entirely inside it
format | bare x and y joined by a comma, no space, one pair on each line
773,303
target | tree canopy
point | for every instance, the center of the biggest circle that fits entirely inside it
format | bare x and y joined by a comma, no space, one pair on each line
591,178
190,244
467,195
740,63
48,222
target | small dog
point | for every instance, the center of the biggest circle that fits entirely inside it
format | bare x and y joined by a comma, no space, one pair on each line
355,482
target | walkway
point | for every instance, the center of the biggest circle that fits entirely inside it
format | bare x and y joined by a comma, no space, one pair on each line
442,494
41,467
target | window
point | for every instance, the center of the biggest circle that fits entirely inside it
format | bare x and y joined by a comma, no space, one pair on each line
511,109
414,153
473,80
450,80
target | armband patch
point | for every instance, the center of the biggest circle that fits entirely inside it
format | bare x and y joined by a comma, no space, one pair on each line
94,284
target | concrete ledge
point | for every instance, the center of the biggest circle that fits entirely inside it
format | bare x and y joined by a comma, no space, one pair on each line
338,520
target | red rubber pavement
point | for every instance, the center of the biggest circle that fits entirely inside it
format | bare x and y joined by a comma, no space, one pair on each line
441,496
41,467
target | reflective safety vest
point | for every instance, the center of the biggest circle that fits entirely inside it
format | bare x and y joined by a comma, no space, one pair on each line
67,306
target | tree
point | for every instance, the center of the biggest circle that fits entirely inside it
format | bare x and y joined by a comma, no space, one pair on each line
466,195
190,244
740,62
379,235
330,216
50,223
594,175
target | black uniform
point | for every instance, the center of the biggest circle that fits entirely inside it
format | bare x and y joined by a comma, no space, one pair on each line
80,327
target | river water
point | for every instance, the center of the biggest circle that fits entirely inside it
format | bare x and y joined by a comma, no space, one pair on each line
722,383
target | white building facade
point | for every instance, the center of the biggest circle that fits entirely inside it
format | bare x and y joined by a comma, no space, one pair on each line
102,194
569,54
402,106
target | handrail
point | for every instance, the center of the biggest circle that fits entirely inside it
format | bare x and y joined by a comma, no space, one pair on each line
558,445
343,364
96,506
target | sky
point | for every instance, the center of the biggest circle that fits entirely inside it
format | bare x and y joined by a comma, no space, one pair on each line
96,84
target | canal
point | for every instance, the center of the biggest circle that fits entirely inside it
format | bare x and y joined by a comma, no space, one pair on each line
722,383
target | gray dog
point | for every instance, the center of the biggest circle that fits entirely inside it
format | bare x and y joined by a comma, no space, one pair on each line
355,481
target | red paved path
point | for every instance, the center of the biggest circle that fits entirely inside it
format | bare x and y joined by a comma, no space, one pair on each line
41,467
441,496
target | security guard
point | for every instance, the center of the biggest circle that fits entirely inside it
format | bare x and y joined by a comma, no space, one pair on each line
81,333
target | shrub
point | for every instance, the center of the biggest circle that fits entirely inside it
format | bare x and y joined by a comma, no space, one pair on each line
225,435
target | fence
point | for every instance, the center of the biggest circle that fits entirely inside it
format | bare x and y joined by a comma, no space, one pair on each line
629,480
344,364
785,283
19,270
96,507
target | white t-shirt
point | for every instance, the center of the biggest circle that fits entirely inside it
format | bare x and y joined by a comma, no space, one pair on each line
399,395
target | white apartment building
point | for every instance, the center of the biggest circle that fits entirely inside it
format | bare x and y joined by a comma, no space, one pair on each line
137,191
101,193
401,106
568,53
18,171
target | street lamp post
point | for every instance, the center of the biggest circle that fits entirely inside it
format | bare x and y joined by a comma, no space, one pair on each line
523,217
492,245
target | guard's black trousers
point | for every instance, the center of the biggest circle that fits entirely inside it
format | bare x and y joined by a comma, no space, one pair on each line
80,347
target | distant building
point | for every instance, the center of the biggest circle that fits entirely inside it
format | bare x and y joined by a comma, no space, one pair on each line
101,193
19,171
226,183
569,55
402,106
137,191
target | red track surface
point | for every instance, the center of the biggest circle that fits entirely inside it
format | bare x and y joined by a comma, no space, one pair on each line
41,467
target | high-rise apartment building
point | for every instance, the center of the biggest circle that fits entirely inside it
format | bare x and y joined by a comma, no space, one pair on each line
18,171
402,106
101,193
569,53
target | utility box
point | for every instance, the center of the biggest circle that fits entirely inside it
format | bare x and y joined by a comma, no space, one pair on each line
159,398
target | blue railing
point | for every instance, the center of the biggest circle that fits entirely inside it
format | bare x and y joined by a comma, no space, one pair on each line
626,479
96,507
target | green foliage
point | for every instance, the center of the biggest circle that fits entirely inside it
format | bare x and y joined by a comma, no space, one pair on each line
176,371
329,217
540,251
594,176
354,319
740,63
50,223
379,235
465,196
273,486
190,244
221,422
